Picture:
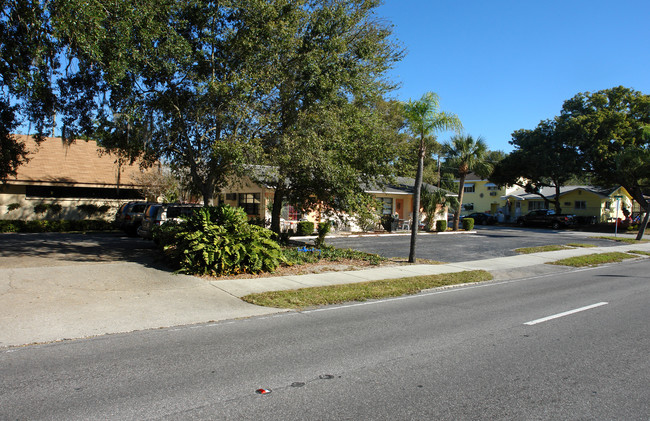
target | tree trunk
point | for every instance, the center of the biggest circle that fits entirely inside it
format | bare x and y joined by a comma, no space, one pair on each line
208,197
416,202
207,190
637,194
461,191
276,211
643,226
558,207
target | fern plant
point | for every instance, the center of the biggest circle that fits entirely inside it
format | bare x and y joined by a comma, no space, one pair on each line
219,241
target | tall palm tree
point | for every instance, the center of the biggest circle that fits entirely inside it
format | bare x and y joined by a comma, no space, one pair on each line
423,119
467,155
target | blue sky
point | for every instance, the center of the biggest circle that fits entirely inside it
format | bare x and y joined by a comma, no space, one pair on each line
506,65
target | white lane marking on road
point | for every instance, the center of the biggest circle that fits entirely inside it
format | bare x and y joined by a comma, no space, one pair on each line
566,313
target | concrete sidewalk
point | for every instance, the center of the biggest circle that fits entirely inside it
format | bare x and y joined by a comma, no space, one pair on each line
501,267
44,304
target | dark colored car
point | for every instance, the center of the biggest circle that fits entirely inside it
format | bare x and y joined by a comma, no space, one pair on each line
158,214
547,218
482,218
129,217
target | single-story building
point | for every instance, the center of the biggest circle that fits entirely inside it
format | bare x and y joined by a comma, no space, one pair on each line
257,199
68,181
588,203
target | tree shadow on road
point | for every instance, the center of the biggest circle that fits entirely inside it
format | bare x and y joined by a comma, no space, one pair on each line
55,249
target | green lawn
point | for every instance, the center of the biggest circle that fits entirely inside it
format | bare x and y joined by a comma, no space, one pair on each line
593,259
334,294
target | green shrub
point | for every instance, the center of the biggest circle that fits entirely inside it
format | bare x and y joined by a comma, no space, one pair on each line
284,237
441,225
219,241
324,228
302,255
10,226
468,224
305,228
260,222
54,226
387,222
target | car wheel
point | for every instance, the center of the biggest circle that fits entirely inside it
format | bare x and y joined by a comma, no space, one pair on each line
556,225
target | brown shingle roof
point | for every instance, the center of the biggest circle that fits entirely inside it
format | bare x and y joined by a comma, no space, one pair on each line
53,161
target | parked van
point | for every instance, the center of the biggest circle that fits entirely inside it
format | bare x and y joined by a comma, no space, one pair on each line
158,214
129,217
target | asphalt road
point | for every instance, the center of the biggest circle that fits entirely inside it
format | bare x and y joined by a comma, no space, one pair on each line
488,242
461,353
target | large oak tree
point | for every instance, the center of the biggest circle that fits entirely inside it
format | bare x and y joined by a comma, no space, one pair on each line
542,157
609,129
327,130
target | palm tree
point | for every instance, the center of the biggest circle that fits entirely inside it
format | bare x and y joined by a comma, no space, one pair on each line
434,203
467,155
423,119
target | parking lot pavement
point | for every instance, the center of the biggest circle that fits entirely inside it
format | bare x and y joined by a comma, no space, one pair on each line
486,242
59,289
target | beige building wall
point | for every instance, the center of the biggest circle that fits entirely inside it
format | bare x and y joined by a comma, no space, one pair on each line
53,165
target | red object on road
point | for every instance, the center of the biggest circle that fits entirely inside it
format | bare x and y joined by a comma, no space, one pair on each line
263,391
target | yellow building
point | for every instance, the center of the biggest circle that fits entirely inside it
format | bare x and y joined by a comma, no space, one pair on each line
481,195
590,204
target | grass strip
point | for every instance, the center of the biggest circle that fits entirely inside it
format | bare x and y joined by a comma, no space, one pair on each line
335,294
581,245
304,254
641,252
593,259
539,249
622,240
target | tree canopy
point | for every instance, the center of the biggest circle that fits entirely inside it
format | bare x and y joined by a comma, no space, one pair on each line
541,158
609,128
325,112
207,86
28,54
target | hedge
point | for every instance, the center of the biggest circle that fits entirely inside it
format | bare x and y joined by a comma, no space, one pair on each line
54,225
468,224
305,228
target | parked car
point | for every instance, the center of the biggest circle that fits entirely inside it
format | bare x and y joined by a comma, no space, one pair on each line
129,217
158,214
547,218
481,218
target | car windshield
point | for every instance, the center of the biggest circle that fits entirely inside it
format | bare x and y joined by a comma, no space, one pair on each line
152,210
138,208
176,211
